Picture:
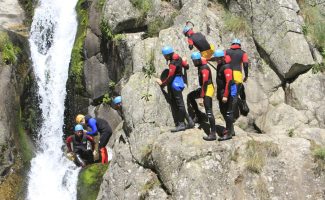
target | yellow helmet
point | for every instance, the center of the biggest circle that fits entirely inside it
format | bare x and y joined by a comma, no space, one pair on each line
79,118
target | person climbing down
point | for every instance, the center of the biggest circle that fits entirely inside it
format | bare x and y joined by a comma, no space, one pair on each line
226,93
79,151
97,125
239,60
206,91
199,41
117,103
175,84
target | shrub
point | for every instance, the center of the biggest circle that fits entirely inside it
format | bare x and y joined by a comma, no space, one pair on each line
236,24
257,152
319,157
9,52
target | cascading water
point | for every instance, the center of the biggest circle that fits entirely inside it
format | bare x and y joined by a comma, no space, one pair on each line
53,31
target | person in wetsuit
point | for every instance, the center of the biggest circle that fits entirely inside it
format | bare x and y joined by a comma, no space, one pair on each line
206,91
100,126
238,61
199,41
175,84
82,156
226,93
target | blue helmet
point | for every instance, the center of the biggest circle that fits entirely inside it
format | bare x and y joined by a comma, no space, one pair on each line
117,100
167,50
218,53
235,41
186,29
196,56
78,127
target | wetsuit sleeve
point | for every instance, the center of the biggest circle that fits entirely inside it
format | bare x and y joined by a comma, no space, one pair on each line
185,64
91,140
228,76
171,73
92,124
190,43
68,142
205,78
227,59
245,64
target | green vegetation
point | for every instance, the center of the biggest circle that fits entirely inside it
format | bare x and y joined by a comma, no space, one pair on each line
25,144
146,96
108,34
291,132
77,62
158,24
149,69
108,96
9,52
149,185
257,152
319,159
261,189
314,30
100,4
236,23
28,7
144,6
146,152
89,181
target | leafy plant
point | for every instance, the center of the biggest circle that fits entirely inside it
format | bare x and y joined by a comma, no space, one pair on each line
149,69
107,99
146,96
319,157
290,133
100,4
108,34
236,23
318,67
9,52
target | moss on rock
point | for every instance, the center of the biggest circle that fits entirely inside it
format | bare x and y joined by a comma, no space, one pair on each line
90,179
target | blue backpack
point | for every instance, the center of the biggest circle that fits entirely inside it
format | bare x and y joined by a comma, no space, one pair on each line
178,83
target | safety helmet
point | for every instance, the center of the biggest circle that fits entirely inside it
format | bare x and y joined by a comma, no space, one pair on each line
167,50
79,118
117,100
78,127
196,56
235,41
186,29
218,53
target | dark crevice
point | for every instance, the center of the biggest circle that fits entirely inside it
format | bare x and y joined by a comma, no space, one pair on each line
257,129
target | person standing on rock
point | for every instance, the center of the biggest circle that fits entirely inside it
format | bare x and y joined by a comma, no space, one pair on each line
226,93
81,156
97,125
175,83
206,91
239,60
199,41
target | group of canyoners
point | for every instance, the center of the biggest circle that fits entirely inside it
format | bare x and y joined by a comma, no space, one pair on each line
230,95
229,79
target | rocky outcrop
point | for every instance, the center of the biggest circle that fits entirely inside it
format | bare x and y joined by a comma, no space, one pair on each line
150,162
277,31
12,15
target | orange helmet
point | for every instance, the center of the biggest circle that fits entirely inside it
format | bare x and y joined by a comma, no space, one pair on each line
79,118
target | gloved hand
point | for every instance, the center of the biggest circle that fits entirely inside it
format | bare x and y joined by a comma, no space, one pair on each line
224,99
95,153
70,156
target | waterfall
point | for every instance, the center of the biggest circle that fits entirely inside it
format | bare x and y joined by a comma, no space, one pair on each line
53,32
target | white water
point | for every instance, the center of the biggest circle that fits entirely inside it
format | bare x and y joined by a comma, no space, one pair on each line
53,32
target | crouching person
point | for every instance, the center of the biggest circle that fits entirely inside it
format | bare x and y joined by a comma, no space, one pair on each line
78,141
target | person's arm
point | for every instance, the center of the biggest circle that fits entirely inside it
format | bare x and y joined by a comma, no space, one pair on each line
228,76
205,78
190,43
185,64
171,73
245,64
92,141
68,142
92,124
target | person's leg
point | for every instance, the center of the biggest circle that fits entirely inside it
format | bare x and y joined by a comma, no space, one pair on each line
229,118
104,138
191,100
209,112
182,114
79,161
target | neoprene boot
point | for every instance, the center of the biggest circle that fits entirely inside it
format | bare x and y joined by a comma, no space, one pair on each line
210,137
226,135
190,123
201,117
103,153
181,127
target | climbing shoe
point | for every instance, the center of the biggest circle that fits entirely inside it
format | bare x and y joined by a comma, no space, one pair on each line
190,124
181,127
226,136
210,137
